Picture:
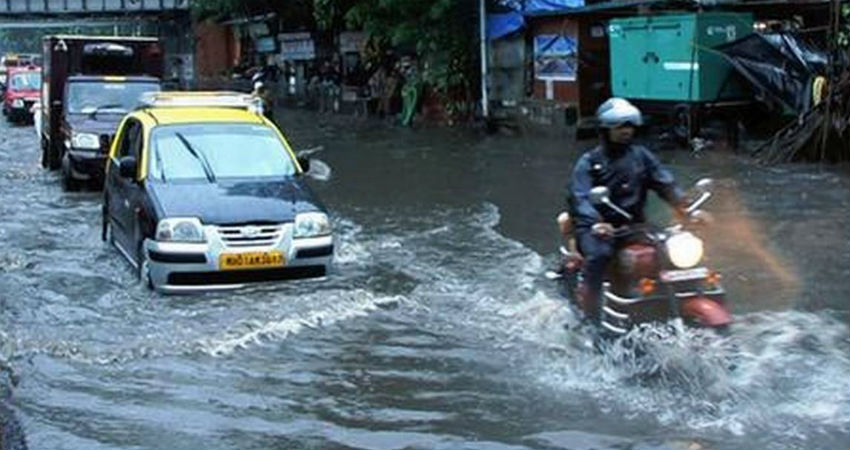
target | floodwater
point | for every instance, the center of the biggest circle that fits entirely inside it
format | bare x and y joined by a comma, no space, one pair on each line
437,328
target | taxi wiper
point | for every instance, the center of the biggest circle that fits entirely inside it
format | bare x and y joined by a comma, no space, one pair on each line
199,156
160,165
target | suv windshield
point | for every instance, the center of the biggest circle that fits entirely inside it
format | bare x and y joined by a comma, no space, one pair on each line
29,81
88,97
210,152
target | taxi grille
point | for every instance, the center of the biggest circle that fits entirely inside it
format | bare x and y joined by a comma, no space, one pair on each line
250,235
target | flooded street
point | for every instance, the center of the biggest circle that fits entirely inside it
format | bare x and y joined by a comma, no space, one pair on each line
437,328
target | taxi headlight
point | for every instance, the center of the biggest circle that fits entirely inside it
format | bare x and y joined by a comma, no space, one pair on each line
180,230
312,224
685,250
86,141
17,103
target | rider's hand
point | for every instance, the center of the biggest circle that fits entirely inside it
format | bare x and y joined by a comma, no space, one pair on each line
700,217
602,229
680,215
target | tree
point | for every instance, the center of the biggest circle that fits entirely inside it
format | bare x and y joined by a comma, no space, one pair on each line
441,33
292,14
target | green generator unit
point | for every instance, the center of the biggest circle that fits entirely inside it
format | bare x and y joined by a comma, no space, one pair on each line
669,57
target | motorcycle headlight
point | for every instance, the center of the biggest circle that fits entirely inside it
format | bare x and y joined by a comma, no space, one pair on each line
312,224
17,103
87,141
180,230
684,250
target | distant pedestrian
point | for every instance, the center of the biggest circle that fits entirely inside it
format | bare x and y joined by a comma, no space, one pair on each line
265,97
178,76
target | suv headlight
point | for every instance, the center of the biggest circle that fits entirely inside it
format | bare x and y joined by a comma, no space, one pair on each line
312,224
17,103
87,141
180,230
684,249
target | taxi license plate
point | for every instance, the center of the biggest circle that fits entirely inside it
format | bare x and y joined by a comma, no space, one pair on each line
250,260
671,276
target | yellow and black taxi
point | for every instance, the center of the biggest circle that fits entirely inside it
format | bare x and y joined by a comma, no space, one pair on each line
202,192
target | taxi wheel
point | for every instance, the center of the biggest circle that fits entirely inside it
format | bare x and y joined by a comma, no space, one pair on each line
144,267
106,234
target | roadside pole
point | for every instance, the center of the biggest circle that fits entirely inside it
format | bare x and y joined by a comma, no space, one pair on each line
485,109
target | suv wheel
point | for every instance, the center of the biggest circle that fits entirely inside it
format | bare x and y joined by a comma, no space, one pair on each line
54,158
69,183
44,153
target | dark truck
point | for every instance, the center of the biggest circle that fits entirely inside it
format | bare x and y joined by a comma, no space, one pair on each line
89,84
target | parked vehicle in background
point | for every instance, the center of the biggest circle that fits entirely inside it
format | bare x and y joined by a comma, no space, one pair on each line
203,192
89,84
21,93
10,60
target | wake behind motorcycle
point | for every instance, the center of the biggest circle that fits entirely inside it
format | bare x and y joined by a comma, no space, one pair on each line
657,276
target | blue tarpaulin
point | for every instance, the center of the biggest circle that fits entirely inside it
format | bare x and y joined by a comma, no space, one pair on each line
551,5
501,25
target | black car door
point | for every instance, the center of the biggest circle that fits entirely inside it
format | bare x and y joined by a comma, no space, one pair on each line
134,194
119,195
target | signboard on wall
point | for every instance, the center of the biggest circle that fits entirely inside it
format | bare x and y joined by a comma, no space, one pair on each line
555,57
352,42
296,46
265,44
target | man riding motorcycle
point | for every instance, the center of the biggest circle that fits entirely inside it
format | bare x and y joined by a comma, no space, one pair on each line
628,170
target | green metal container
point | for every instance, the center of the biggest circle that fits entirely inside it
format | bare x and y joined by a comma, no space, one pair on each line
669,57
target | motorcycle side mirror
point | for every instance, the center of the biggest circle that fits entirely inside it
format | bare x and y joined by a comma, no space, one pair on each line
599,195
704,185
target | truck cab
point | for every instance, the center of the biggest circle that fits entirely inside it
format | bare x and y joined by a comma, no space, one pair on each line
89,84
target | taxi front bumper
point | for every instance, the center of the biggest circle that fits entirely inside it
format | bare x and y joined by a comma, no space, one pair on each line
189,267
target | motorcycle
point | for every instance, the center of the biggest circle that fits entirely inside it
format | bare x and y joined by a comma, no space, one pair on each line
656,277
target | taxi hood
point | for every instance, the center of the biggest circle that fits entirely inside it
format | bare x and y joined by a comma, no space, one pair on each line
234,202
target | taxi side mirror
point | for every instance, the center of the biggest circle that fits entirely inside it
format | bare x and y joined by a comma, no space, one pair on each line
304,162
127,167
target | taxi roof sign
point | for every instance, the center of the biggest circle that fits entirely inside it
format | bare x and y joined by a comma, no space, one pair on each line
195,99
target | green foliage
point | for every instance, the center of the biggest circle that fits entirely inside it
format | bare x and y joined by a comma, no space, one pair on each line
442,33
214,9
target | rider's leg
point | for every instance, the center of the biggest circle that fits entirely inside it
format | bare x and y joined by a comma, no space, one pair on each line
597,253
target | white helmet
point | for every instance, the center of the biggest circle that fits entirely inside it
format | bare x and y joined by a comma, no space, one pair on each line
617,111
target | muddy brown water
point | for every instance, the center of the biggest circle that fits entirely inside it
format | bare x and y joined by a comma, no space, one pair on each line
437,329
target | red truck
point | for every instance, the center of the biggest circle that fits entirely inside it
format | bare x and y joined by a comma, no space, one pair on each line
89,84
22,91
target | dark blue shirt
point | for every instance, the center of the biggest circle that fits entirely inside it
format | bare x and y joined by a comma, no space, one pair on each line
628,175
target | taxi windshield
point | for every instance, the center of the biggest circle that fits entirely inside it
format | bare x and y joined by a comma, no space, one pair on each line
27,81
210,152
89,97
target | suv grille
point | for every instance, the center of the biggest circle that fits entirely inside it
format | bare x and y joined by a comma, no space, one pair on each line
106,142
250,235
